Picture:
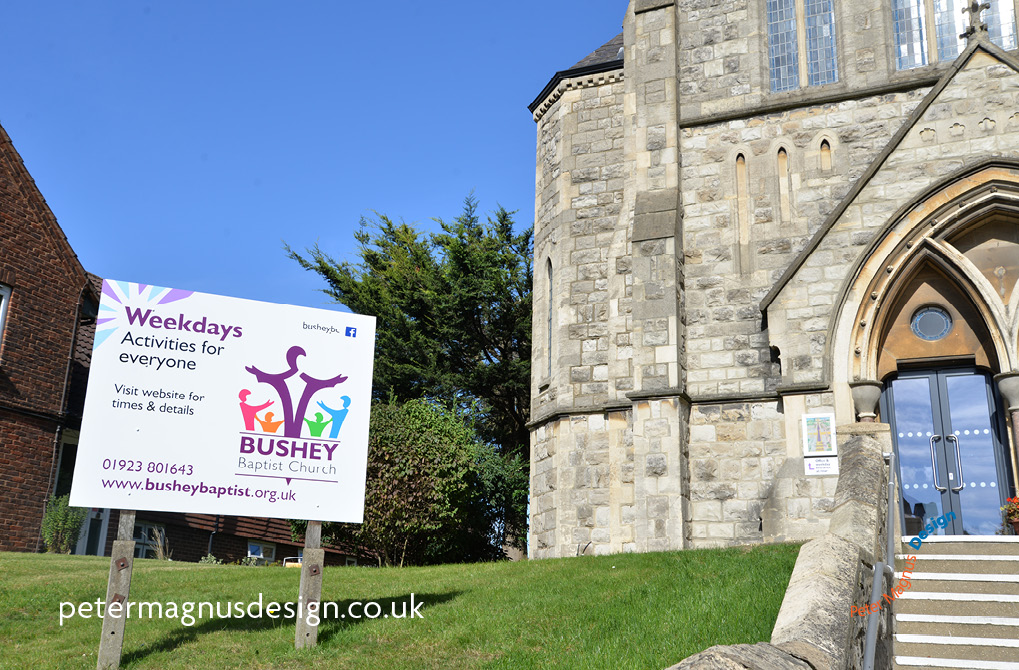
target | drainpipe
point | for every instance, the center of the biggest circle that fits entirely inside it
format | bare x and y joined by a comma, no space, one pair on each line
215,529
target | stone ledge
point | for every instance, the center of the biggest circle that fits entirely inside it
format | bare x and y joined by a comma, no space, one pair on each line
760,656
641,6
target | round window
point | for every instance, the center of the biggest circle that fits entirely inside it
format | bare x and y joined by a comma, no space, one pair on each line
931,323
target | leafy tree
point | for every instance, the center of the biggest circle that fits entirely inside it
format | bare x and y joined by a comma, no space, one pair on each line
435,493
453,314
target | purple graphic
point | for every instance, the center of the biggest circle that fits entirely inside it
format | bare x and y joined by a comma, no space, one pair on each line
293,419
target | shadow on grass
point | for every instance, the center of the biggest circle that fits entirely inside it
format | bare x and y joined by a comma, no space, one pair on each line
327,629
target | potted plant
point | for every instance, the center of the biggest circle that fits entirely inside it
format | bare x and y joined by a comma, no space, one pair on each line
1011,513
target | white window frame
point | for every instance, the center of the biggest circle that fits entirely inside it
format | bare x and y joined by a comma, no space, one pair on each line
143,541
263,559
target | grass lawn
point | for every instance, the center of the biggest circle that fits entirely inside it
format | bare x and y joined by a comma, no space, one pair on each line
623,611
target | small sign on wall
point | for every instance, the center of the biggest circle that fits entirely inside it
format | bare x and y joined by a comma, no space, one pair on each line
820,447
819,435
821,465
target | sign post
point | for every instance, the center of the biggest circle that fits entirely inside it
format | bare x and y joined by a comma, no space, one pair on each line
118,589
310,595
215,405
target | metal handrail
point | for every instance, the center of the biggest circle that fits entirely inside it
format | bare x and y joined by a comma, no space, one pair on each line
870,642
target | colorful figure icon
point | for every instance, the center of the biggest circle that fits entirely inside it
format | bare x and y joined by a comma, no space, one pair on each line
292,417
338,415
268,425
318,425
249,411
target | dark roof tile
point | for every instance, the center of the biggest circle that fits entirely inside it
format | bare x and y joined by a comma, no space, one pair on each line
606,53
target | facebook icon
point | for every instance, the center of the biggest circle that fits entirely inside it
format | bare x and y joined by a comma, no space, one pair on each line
351,331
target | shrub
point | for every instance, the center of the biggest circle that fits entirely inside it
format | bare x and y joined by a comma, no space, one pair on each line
61,525
435,492
209,559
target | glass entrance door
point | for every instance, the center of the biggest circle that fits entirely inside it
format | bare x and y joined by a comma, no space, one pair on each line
946,429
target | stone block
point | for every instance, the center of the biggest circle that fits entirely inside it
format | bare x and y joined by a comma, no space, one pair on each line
656,465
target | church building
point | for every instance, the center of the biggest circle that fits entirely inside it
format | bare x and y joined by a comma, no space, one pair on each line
757,223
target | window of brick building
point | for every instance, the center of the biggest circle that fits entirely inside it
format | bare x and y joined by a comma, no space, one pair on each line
264,552
147,537
5,298
801,43
916,44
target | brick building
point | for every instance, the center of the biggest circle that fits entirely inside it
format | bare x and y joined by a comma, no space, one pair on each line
45,298
752,213
47,321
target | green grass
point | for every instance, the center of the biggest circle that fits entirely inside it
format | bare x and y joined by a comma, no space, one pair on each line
623,611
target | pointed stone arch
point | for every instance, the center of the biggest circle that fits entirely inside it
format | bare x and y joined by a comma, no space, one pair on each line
921,237
930,281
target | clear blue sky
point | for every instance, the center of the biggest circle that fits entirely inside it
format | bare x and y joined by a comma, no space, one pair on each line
178,143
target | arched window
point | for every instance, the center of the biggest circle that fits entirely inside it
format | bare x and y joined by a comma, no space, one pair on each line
548,341
743,212
825,156
785,208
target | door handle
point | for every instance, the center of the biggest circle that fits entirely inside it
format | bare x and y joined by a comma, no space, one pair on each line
934,464
958,462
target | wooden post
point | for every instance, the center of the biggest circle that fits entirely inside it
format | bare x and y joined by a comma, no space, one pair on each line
310,594
117,590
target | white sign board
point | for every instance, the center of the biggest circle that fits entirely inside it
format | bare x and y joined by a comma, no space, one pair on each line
821,465
203,403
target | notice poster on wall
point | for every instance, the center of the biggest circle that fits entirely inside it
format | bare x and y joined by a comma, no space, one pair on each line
217,405
819,435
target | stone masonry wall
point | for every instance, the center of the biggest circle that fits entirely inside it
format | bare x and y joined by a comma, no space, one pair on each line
579,184
735,452
729,355
974,118
723,57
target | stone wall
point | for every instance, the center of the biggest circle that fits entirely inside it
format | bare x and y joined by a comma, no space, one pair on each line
728,348
595,489
952,131
723,58
579,184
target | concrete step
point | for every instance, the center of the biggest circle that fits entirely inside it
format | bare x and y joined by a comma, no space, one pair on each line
928,663
965,582
1007,545
975,563
957,625
994,649
959,604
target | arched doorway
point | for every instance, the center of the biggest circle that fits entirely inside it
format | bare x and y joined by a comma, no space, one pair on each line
935,320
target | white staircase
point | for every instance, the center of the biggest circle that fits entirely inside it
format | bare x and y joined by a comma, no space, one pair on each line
962,610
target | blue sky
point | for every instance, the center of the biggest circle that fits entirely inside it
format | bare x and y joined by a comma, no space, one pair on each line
180,143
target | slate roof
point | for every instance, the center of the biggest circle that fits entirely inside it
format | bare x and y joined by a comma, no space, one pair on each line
606,53
608,56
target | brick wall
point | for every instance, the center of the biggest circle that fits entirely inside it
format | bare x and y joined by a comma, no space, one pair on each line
46,281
